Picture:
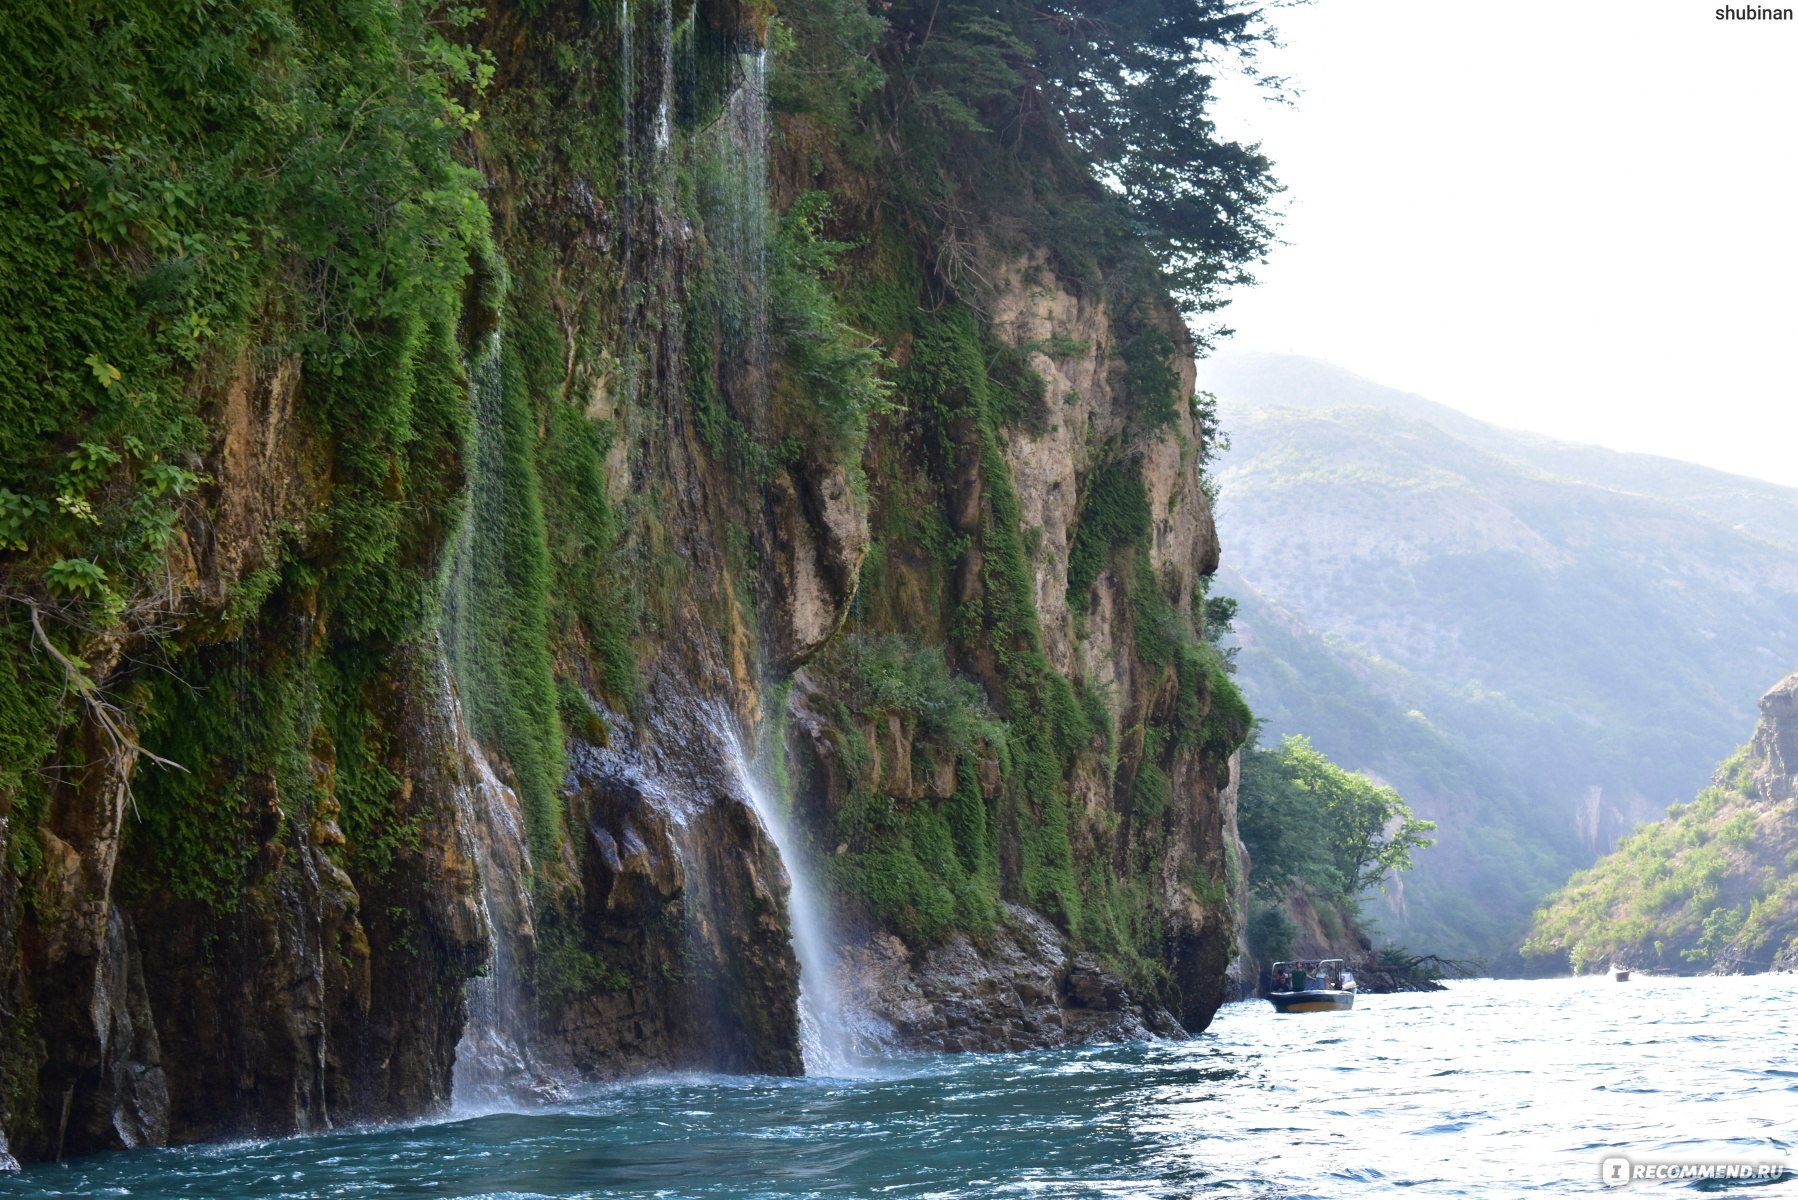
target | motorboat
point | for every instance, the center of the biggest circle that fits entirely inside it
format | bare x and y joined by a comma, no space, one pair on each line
1312,985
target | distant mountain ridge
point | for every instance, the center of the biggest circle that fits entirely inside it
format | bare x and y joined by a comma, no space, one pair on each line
1250,380
1540,644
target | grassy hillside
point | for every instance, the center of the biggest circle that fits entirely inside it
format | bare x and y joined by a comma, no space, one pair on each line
1539,645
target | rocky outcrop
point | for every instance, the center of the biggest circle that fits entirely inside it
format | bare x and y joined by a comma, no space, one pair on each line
320,999
101,1048
818,529
1022,989
681,921
1774,749
1053,470
1728,900
330,999
1089,414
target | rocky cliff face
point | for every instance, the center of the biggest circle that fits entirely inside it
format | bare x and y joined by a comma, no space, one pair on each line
1711,886
1774,750
460,639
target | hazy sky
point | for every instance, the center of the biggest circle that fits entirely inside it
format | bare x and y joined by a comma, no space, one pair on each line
1571,216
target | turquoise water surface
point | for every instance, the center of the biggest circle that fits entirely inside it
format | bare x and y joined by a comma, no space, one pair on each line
1494,1088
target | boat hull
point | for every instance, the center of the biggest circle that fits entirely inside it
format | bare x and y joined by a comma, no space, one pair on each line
1302,1002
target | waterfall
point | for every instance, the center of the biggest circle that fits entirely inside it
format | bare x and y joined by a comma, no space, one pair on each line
746,222
733,194
826,1039
627,142
493,1065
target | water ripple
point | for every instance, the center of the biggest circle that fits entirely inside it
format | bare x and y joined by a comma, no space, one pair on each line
1490,1089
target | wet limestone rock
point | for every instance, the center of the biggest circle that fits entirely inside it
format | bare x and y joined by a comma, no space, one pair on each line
1023,989
106,1088
682,898
268,471
314,998
818,527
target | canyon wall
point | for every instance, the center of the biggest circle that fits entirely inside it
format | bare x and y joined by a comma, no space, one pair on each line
514,438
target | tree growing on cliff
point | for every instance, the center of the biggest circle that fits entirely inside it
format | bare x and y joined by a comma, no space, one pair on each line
1092,127
1305,820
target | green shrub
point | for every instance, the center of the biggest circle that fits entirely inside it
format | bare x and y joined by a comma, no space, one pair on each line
889,673
1114,513
1270,933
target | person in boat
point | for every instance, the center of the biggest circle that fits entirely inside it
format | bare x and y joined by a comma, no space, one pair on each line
1298,979
1282,981
1347,982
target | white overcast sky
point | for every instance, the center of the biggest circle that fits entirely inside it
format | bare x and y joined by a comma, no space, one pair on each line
1570,216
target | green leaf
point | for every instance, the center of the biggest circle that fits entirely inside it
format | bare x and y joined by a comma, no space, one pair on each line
104,372
75,577
16,514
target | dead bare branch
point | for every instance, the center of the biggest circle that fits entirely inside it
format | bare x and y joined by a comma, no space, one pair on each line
109,717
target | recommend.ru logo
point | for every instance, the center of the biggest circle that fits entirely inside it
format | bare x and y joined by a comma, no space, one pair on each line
1618,1170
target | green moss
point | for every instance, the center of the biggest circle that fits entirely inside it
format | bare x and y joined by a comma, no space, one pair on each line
920,871
572,55
566,970
878,674
1018,394
1213,711
922,867
30,720
718,430
882,289
1114,513
234,731
356,692
579,718
196,195
497,616
1152,793
833,376
593,606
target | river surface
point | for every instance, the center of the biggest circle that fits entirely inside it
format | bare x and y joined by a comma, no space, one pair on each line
1489,1089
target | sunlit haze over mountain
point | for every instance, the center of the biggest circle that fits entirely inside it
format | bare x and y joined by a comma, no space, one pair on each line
1571,219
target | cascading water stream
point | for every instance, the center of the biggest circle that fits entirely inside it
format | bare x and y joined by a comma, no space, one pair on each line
734,203
746,220
826,1039
627,142
493,1065
731,176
